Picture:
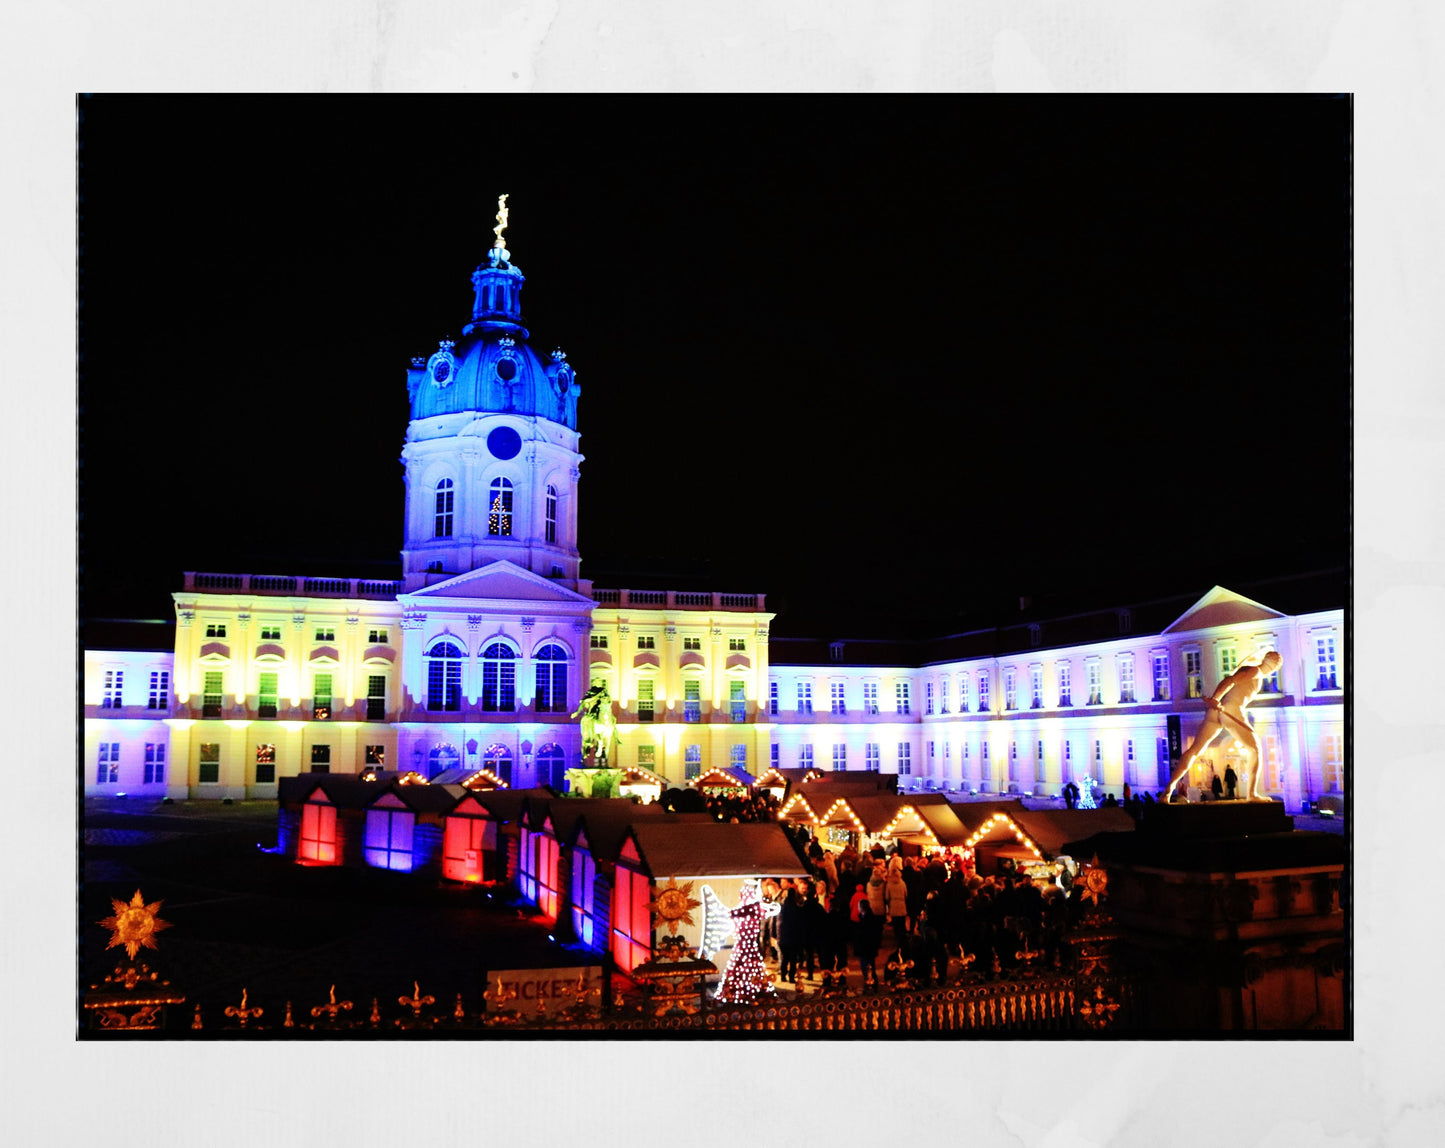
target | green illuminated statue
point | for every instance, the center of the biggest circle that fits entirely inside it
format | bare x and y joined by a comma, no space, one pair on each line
598,725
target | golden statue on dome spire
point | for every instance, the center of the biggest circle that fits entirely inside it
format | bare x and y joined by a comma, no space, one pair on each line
501,222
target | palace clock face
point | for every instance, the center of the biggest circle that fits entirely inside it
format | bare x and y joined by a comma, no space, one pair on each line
441,374
504,443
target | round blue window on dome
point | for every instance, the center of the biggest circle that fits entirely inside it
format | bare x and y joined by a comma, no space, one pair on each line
504,443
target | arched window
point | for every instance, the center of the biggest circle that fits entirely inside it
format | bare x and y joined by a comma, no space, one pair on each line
551,762
498,759
499,519
551,513
444,677
499,679
551,679
442,758
444,508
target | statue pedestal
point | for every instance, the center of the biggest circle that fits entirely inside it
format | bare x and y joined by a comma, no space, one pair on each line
1227,919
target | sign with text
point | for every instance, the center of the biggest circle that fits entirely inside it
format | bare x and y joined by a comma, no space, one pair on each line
543,991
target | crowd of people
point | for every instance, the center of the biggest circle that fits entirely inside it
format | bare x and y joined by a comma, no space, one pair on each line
759,806
856,910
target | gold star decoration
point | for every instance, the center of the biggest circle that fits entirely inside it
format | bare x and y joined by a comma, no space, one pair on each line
1095,881
674,904
134,925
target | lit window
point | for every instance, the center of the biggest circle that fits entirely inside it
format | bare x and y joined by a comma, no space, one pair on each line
376,755
772,699
837,700
265,764
646,642
692,643
598,641
1013,761
551,513
1126,678
208,771
270,633
444,678
321,697
1228,661
901,697
963,693
773,755
375,697
1161,677
905,758
584,889
388,838
113,689
631,919
499,679
267,686
498,759
737,700
325,634
871,756
805,757
1066,696
738,756
321,759
216,630
155,763
1193,675
551,765
1010,693
1129,772
160,691
805,697
644,700
870,697
691,700
927,698
931,754
984,705
647,756
1327,677
737,644
943,696
1036,687
107,769
840,756
1098,761
691,762
1095,673
1271,763
376,637
318,834
444,506
1331,761
551,679
211,697
499,518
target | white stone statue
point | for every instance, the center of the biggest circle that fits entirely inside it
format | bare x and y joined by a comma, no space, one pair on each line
1224,714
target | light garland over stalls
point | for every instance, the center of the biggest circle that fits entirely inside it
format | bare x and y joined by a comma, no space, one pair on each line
484,779
1003,818
827,818
796,799
923,825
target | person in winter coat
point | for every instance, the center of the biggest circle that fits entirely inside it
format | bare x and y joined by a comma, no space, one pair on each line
815,926
895,892
867,933
790,933
828,870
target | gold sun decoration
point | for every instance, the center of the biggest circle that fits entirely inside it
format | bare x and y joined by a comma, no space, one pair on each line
1096,882
674,904
134,925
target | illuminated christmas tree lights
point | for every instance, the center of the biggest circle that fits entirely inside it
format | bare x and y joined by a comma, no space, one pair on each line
746,979
1086,794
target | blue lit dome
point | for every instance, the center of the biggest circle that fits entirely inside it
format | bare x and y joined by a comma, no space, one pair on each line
492,368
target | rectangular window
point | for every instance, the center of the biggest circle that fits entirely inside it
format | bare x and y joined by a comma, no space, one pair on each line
551,521
837,702
549,677
646,642
1130,775
931,754
443,507
216,630
270,633
691,700
691,762
1010,692
645,705
1066,697
265,764
266,690
963,693
321,759
631,919
1098,761
1126,678
1036,687
209,770
584,886
159,697
773,757
376,637
107,767
388,839
444,683
1271,683
902,698
692,643
376,697
1327,677
1161,677
871,756
647,756
155,763
1161,760
321,697
905,758
840,756
870,697
1271,763
1095,672
738,756
737,700
318,834
772,699
1193,675
1228,661
325,634
984,706
1013,761
737,645
943,696
376,755
1331,761
805,757
598,641
805,697
927,698
112,695
211,699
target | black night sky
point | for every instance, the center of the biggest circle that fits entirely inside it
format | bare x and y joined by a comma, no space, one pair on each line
899,360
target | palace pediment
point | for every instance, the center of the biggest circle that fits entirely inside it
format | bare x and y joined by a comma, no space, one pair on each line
499,581
1221,607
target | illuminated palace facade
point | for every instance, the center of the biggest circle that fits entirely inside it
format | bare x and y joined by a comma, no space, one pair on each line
478,655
